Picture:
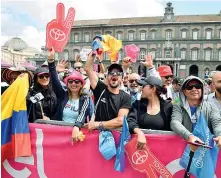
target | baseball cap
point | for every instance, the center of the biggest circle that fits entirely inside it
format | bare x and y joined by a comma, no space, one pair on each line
164,70
115,66
178,81
151,80
41,70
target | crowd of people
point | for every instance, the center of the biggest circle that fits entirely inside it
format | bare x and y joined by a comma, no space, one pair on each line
100,99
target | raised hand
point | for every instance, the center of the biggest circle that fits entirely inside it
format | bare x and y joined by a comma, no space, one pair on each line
51,54
58,30
148,62
61,66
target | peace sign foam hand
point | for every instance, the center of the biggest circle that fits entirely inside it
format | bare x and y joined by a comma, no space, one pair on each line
58,30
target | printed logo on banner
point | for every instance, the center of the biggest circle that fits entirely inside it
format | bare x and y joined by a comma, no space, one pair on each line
145,161
139,157
58,30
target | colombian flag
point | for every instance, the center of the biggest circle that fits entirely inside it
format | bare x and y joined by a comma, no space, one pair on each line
15,132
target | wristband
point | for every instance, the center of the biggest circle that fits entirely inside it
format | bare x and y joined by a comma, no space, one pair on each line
101,127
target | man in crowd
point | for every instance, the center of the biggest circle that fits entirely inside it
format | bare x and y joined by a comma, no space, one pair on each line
134,88
215,97
176,86
186,113
111,104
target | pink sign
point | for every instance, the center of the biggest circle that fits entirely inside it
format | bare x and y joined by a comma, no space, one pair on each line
55,156
132,51
58,30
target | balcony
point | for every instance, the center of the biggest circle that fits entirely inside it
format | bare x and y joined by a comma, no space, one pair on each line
168,59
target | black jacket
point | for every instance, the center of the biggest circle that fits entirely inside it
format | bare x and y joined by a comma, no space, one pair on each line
49,104
133,116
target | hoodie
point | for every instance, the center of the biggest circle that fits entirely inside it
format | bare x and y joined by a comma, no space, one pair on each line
181,115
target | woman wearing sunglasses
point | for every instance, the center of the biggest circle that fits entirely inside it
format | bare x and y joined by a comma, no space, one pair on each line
46,108
73,104
187,112
151,112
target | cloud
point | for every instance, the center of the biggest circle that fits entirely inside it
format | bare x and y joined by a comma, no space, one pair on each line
28,19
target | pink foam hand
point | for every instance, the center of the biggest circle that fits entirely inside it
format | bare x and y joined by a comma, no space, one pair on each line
58,30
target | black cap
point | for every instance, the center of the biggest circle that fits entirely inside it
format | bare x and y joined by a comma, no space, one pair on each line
115,66
41,70
151,80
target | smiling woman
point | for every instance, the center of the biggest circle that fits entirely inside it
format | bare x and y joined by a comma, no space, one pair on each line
45,108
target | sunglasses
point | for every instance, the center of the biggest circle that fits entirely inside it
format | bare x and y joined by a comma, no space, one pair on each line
74,81
115,73
77,68
196,86
169,76
132,81
44,76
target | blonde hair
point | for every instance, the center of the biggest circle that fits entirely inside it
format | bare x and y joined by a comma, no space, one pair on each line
80,93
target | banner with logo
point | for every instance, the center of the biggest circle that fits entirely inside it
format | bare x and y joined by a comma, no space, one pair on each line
55,156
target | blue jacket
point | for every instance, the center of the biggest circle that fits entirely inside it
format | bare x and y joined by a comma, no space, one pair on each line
62,96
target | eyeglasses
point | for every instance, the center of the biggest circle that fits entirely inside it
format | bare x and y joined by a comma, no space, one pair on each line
196,86
74,81
169,76
115,73
44,76
132,81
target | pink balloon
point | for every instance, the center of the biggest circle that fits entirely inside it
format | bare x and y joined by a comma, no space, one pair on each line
132,51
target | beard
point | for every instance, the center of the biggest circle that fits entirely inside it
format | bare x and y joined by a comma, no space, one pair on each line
114,85
218,90
134,90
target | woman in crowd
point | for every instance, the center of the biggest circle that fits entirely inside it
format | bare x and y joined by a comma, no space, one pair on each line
46,108
73,104
151,112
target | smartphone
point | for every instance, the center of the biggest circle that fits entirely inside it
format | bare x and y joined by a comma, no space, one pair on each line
200,144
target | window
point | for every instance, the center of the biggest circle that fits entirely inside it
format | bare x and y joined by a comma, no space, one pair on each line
183,34
153,53
195,35
120,55
131,36
208,34
194,55
142,53
76,38
86,37
220,34
142,36
66,55
108,33
119,36
207,54
183,54
76,52
153,34
220,55
168,35
168,54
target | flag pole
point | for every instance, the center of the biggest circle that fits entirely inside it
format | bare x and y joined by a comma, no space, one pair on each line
187,173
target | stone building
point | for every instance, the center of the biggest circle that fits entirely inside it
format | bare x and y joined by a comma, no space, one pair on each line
190,44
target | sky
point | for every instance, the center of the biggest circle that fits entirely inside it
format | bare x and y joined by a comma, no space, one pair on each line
28,19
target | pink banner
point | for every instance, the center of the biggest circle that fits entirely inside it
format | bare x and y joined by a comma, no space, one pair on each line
55,156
